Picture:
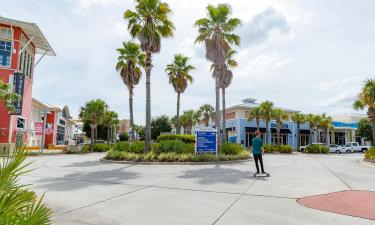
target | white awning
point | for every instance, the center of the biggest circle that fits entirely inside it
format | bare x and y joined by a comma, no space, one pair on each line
32,30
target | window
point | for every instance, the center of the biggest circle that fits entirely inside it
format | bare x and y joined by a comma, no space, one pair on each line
6,33
5,53
21,123
231,115
27,58
60,135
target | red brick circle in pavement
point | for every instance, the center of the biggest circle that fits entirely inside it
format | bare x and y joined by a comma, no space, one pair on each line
352,203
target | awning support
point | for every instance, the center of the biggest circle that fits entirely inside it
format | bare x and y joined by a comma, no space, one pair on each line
37,62
27,44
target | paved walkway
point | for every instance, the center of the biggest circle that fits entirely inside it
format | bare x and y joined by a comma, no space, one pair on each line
82,190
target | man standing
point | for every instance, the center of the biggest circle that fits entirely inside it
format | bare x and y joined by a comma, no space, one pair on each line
258,151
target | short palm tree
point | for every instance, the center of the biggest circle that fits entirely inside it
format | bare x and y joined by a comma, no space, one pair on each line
317,122
326,124
216,31
92,113
206,111
266,114
255,114
310,119
130,62
187,121
8,96
279,116
366,99
299,119
179,77
110,119
225,81
149,23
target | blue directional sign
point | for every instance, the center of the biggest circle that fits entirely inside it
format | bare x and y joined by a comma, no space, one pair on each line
205,141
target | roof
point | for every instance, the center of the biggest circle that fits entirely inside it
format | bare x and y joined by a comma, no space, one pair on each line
32,30
251,103
45,105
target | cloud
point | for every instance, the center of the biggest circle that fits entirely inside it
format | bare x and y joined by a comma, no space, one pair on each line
83,6
263,25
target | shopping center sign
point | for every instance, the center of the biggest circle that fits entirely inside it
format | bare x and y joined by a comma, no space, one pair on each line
205,140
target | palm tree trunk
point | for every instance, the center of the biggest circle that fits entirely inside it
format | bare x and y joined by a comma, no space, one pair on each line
373,130
148,103
257,122
317,131
131,114
298,138
108,134
267,132
206,120
178,129
278,135
92,140
327,137
96,135
310,135
224,133
217,118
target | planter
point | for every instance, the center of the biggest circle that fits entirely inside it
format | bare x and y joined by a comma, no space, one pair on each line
174,163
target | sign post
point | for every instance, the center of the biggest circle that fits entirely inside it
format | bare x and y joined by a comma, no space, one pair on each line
205,140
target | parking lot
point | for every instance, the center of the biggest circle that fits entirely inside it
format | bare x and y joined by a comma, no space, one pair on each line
83,190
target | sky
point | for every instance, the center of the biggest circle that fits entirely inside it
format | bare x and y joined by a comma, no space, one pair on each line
311,56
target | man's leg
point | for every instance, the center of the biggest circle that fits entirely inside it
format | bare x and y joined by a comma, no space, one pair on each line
261,162
256,157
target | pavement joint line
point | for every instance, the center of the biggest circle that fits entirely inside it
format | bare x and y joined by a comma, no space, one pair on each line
333,174
234,202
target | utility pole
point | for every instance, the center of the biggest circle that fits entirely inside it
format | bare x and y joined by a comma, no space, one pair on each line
44,113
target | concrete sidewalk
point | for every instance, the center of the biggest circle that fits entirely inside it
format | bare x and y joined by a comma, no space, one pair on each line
82,190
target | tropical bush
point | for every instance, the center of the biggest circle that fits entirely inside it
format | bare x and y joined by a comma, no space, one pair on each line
231,148
277,148
101,147
285,149
186,138
19,205
86,148
316,148
268,148
175,146
370,154
135,147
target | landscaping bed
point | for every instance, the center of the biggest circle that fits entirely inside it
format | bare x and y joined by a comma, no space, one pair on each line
370,155
173,149
277,149
316,149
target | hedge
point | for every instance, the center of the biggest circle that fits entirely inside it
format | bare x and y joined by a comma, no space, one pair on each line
370,154
231,148
277,148
176,146
186,138
316,148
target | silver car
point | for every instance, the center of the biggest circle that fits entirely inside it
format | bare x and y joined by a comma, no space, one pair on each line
333,148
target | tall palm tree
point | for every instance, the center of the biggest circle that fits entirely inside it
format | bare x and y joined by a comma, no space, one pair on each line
366,99
216,31
129,64
110,119
299,119
206,111
310,119
149,23
255,114
179,77
8,96
92,113
225,81
279,116
266,114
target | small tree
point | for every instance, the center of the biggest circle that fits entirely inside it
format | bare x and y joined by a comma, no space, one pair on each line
255,114
8,96
160,125
365,129
266,112
206,111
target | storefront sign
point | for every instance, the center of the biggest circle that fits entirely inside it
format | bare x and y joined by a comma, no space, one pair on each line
205,141
38,128
18,87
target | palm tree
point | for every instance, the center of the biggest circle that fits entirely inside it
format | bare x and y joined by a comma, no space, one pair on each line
317,121
225,81
179,77
129,65
188,118
310,119
216,31
255,113
266,114
149,23
8,96
206,111
326,124
92,113
366,99
279,116
299,119
110,119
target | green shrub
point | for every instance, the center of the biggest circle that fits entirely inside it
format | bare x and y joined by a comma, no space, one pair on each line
168,157
137,147
101,147
269,148
186,138
122,147
175,146
86,148
284,149
316,148
231,148
370,154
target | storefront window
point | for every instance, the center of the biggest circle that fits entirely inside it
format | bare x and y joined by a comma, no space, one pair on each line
60,136
283,139
27,58
5,53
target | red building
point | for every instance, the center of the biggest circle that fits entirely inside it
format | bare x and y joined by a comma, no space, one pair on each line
22,46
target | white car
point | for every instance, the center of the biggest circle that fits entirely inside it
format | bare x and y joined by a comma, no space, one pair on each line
336,149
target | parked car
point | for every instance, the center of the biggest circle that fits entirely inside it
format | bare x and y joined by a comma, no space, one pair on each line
355,147
301,148
333,148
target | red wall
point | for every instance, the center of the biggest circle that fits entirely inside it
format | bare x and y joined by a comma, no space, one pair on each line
27,97
50,139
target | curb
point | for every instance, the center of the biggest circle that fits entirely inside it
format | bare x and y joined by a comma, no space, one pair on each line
175,163
368,162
